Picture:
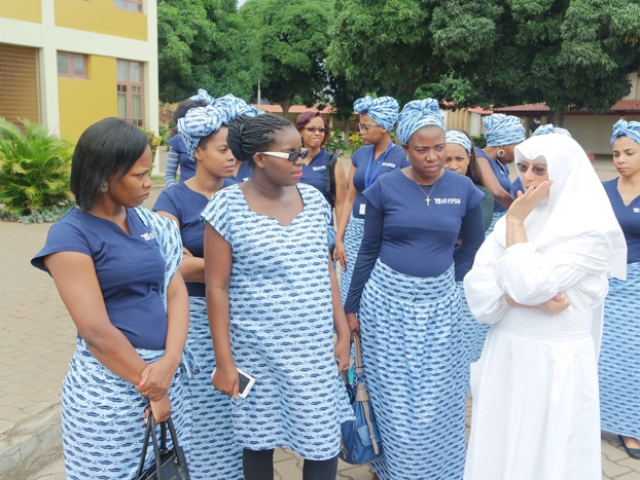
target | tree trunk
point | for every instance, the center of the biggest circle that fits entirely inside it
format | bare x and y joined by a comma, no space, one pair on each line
557,118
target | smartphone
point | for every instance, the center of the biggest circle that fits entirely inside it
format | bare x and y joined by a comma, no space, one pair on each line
246,382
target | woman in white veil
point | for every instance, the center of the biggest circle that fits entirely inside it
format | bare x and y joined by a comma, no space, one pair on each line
540,279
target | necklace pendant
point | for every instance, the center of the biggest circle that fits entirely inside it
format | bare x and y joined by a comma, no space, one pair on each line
428,200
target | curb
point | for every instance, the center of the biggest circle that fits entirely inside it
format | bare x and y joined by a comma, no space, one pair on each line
31,444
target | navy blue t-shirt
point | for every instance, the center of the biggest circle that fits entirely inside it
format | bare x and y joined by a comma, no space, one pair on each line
417,239
245,172
393,159
628,217
187,205
502,174
187,166
130,270
315,174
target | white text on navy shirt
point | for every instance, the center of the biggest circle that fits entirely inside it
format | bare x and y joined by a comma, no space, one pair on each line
445,201
148,236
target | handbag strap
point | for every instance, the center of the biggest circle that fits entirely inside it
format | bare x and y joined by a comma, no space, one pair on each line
150,432
362,395
174,439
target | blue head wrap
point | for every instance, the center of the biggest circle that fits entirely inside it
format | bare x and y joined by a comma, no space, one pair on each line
456,136
502,130
418,114
549,128
382,110
200,122
234,106
626,129
203,95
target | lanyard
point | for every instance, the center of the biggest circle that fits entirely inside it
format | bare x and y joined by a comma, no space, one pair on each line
368,180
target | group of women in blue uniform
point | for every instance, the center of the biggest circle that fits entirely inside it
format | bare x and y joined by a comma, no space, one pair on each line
235,270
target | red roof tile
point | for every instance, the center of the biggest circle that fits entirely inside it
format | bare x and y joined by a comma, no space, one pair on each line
620,107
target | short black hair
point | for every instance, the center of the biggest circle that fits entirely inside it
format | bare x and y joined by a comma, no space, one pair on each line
110,146
249,135
181,110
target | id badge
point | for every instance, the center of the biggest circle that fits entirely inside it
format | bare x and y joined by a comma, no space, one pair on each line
363,207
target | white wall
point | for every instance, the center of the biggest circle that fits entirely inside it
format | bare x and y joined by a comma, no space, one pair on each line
592,132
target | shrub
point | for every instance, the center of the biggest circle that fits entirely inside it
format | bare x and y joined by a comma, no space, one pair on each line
479,141
336,143
355,141
34,169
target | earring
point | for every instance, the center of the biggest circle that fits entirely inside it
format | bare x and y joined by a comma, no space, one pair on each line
104,187
501,153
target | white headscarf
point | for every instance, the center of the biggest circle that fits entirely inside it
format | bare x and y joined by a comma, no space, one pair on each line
576,212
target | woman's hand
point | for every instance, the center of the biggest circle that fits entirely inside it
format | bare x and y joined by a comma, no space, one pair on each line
556,305
353,323
525,203
161,409
340,254
342,352
227,380
156,379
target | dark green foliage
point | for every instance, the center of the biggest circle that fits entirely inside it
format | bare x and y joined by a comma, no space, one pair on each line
204,44
336,143
34,169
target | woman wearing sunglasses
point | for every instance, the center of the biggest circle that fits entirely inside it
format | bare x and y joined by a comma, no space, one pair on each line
273,304
378,157
540,280
619,363
314,131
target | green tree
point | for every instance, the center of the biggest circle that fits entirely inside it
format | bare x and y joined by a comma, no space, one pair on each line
293,37
570,54
204,44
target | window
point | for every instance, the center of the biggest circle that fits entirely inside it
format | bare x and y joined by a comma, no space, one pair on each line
131,5
72,65
19,91
131,92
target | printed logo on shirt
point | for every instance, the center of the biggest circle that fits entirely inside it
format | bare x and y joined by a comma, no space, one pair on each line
148,236
636,210
321,167
245,179
389,164
447,201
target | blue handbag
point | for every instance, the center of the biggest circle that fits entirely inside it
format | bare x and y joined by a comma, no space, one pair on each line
361,440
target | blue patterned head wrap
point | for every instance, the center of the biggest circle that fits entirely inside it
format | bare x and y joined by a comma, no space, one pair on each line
382,110
456,136
626,129
200,122
203,95
501,130
234,106
418,114
549,128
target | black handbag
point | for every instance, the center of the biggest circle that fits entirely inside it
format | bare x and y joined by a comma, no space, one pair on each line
169,464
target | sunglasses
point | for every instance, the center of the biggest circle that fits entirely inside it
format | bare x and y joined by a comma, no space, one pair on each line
524,167
366,128
313,129
291,157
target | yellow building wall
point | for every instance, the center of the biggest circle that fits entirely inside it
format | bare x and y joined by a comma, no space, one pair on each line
100,16
84,102
26,10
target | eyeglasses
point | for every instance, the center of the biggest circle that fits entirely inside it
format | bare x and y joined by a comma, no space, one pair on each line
366,128
313,129
291,157
524,167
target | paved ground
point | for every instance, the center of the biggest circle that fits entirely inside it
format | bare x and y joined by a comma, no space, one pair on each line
37,340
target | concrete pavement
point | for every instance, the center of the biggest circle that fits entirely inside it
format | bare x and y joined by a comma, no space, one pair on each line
37,339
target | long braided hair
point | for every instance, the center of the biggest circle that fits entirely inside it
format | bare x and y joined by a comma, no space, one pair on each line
250,135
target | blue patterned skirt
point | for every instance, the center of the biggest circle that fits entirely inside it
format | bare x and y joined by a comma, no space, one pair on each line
619,364
352,240
103,418
213,453
475,332
417,373
496,216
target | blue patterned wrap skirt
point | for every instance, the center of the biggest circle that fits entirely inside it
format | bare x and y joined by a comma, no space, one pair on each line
352,240
212,453
103,417
496,216
475,332
417,373
619,364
